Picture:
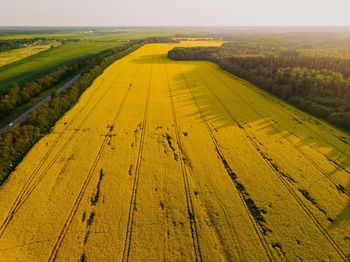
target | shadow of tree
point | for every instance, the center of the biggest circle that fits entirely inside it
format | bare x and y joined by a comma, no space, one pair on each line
260,112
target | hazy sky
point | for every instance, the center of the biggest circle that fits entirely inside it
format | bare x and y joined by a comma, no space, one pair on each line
174,12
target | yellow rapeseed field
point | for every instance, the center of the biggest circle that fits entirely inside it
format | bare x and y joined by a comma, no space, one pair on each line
179,161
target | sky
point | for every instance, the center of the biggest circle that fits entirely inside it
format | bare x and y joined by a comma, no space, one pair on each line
175,13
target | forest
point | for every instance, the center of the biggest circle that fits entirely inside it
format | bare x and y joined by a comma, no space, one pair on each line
317,84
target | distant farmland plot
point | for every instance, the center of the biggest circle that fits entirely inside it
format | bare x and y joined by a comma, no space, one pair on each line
163,160
106,34
34,35
8,57
45,61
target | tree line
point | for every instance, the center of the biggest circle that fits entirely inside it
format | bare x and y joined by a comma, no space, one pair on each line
18,95
317,85
161,39
6,45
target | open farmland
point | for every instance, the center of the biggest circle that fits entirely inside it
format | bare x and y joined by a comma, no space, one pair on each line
44,62
8,57
177,161
91,34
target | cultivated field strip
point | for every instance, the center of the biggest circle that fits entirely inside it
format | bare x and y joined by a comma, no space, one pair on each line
189,202
282,178
94,207
311,127
233,176
233,244
163,160
33,180
132,207
8,57
75,131
92,171
339,193
280,128
340,196
157,218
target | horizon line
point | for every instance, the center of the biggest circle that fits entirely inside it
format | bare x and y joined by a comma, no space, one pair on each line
182,26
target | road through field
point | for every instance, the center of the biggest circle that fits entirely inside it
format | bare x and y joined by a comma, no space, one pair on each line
179,161
22,117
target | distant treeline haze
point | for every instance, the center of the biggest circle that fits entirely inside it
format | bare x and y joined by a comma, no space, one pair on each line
6,45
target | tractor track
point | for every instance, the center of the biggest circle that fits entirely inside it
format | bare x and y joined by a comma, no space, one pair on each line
29,186
257,227
311,161
132,206
297,113
260,237
76,205
189,202
281,178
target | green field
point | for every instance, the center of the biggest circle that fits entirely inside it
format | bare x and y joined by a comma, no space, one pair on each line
8,57
44,62
91,41
92,33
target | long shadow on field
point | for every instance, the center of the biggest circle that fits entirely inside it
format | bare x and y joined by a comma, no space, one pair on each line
270,116
152,59
144,59
221,99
